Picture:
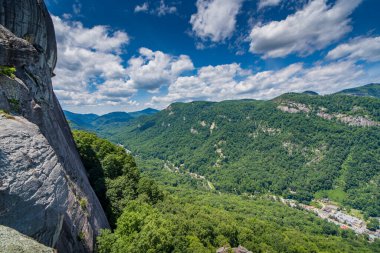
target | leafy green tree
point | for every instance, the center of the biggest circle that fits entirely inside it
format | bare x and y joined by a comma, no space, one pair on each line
113,174
112,166
373,224
150,190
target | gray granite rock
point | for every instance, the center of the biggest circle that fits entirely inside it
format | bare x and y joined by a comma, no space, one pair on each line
42,179
12,241
15,51
30,20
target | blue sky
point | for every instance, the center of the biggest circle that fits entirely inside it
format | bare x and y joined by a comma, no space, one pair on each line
129,55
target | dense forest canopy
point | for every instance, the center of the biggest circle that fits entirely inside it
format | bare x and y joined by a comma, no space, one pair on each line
149,218
113,174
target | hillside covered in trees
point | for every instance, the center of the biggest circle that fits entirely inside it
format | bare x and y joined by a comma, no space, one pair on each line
297,145
149,218
369,90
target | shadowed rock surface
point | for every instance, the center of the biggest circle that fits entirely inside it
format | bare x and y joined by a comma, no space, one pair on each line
31,21
42,179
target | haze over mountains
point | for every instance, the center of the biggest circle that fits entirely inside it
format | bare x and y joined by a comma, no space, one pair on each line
91,121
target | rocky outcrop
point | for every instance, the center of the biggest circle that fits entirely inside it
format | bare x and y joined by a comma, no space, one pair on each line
44,190
227,249
12,241
359,121
292,107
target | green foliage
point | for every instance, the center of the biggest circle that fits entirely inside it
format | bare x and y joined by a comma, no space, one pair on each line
372,90
81,236
83,203
373,224
149,190
112,173
8,71
337,195
113,165
190,221
244,147
252,147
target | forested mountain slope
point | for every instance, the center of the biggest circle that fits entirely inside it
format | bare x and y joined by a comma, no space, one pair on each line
93,121
187,220
369,90
297,145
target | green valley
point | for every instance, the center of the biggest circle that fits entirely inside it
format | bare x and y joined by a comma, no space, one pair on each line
149,218
210,171
296,145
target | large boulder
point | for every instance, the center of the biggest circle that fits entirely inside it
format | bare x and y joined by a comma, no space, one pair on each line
44,190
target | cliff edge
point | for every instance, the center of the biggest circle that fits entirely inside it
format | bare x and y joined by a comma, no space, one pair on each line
44,190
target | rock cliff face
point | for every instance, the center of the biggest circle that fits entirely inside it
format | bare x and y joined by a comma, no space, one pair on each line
31,21
44,190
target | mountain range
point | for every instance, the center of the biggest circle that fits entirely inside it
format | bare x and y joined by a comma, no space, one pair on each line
299,146
93,121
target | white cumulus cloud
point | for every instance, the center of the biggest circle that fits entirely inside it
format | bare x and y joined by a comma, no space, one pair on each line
312,28
231,81
215,20
153,69
362,48
89,59
91,70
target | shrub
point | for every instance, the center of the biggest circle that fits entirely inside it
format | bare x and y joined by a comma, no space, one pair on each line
8,71
373,224
83,204
81,236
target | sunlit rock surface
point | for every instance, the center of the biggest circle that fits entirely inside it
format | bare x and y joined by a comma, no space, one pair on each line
12,241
